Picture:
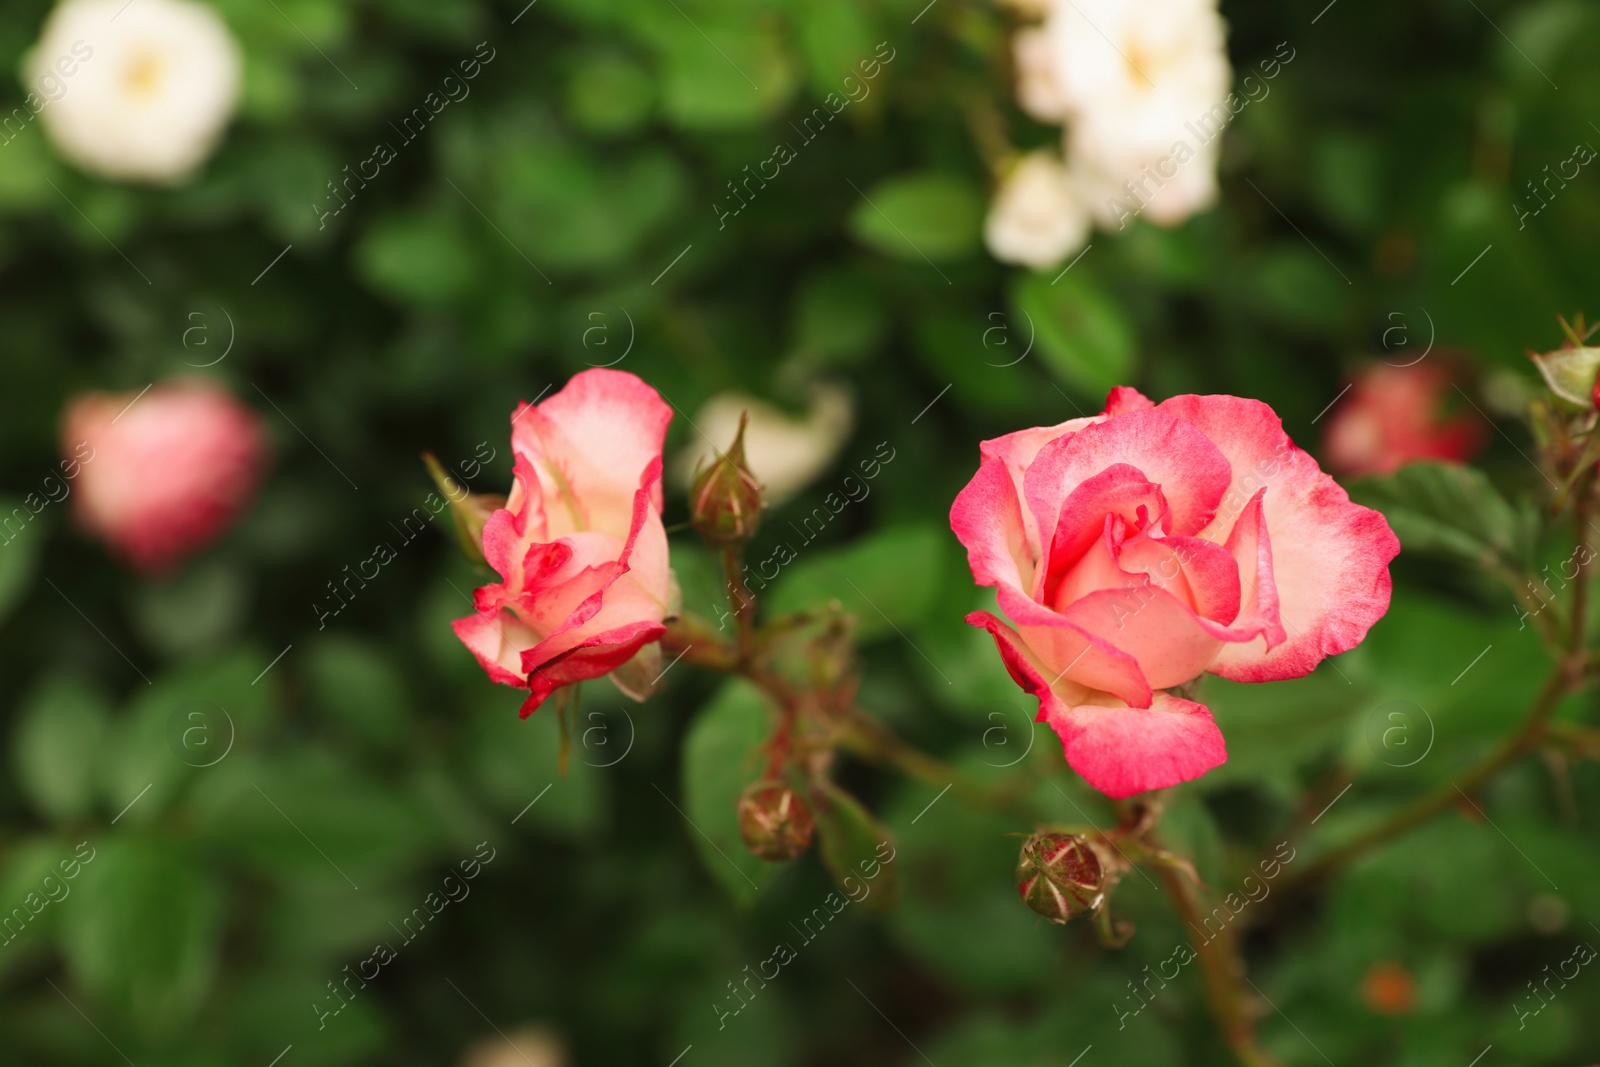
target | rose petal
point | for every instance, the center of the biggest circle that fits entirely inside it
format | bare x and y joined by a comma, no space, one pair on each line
1122,751
987,519
586,443
1329,557
1191,471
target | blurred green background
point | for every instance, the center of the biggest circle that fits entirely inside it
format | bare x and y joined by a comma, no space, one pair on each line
574,188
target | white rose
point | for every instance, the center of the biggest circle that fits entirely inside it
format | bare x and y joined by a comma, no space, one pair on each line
530,1046
1038,79
1145,65
151,97
1142,86
1037,217
1121,179
784,453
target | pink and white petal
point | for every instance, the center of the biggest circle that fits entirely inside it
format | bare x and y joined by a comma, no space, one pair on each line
1124,398
1329,557
1026,670
1122,751
613,596
588,442
511,531
497,641
1017,451
1119,490
1206,571
1170,643
1191,471
1250,545
598,655
1068,651
558,580
987,519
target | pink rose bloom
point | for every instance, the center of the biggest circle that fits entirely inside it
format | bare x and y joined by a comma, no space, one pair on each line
579,546
169,471
1393,416
1137,549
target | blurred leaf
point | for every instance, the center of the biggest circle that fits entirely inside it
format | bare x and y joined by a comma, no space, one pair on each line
419,258
959,912
19,552
720,75
838,318
145,932
934,216
1453,510
154,745
58,741
608,93
356,685
515,760
723,753
886,580
855,847
1083,337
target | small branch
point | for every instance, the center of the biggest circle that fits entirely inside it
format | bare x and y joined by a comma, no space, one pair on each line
1513,748
1221,966
741,599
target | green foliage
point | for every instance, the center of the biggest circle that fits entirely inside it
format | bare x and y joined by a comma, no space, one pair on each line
722,754
270,788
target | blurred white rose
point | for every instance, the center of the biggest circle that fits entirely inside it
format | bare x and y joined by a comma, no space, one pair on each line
1037,218
784,453
526,1047
1120,179
1142,89
1039,88
153,96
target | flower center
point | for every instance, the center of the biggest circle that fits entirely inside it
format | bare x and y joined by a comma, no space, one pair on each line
143,74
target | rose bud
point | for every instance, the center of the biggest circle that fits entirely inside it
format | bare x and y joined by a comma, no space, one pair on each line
167,471
774,821
1570,373
1059,876
469,511
1393,416
725,501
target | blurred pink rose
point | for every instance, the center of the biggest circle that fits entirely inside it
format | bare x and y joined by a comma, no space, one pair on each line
1139,548
1394,416
171,469
579,546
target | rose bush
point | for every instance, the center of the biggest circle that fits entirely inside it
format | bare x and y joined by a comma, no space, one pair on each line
1135,550
579,546
172,468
